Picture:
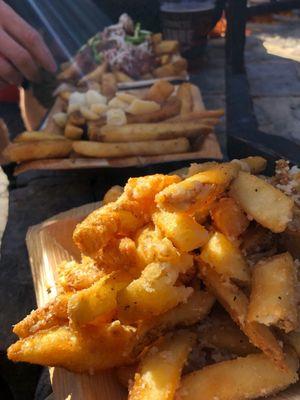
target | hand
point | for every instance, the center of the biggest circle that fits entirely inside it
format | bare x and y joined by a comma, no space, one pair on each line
22,49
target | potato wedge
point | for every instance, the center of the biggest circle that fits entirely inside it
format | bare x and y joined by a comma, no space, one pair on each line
197,191
38,150
99,301
240,379
148,132
91,349
273,296
267,205
116,150
160,91
236,303
154,292
37,135
158,374
183,231
226,258
185,96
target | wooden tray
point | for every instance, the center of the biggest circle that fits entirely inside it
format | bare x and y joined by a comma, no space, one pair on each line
48,244
209,148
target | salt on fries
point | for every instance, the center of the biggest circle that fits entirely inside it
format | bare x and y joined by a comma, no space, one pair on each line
156,258
117,124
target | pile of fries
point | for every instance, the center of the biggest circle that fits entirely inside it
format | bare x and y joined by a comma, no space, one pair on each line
164,119
185,288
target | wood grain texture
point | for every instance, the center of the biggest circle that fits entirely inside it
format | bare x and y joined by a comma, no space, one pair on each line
48,244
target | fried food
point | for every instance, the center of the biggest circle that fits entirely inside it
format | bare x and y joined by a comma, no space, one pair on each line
37,135
185,96
160,91
170,108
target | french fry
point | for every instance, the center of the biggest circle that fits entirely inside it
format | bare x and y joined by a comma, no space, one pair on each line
69,73
95,75
197,191
97,303
108,85
229,218
158,374
122,77
160,91
273,295
194,115
37,135
254,165
165,59
169,108
236,303
154,292
240,379
220,332
77,351
114,150
76,118
156,38
73,132
165,71
147,132
181,229
267,205
225,258
185,96
37,150
112,194
166,47
140,107
94,128
180,66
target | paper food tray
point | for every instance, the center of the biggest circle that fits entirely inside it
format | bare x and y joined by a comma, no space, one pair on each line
208,147
48,245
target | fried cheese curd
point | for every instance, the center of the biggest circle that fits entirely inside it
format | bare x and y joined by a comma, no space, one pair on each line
179,287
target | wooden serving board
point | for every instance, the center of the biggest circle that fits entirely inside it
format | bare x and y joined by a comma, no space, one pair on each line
208,148
48,245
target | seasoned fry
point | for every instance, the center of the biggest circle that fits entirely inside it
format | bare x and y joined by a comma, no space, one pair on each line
148,132
158,374
185,96
225,258
37,135
197,191
240,379
273,295
78,352
166,47
267,205
183,231
113,150
236,303
38,150
169,108
160,91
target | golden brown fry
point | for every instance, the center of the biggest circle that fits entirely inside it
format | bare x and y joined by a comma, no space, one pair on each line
112,194
236,303
174,68
197,191
49,316
159,371
69,73
226,258
73,132
94,128
149,132
240,379
76,118
185,96
38,150
267,205
91,349
194,115
170,108
37,135
166,47
160,91
108,85
122,77
255,165
273,296
95,75
114,150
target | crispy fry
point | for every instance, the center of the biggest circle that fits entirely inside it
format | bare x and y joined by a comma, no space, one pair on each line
174,68
109,85
141,107
37,135
267,205
160,91
113,150
159,371
38,150
273,296
148,132
185,96
240,379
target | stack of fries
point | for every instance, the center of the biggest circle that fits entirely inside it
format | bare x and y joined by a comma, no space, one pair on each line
185,288
164,119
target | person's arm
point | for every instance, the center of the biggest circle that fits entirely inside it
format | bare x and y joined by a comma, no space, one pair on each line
22,49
